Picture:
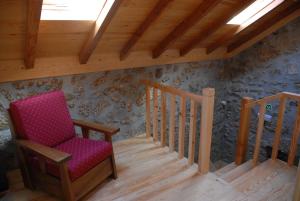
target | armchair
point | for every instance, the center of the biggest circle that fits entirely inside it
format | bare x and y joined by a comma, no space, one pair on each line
50,154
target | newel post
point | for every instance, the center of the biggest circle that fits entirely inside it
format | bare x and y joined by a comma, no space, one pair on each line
207,113
242,141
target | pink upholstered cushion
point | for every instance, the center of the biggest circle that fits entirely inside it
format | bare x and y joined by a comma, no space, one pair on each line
86,154
43,118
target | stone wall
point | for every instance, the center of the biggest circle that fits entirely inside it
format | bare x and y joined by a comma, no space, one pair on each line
117,98
269,67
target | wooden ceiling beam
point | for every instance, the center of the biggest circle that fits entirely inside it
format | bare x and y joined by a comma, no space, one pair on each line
34,10
283,15
215,26
237,29
152,16
101,24
200,12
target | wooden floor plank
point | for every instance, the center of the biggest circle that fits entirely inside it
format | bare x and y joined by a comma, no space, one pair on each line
237,172
225,169
266,181
147,171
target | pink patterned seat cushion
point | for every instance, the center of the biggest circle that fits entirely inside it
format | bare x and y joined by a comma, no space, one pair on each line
44,118
86,154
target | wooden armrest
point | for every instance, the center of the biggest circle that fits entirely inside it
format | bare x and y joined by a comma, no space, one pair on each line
96,127
44,151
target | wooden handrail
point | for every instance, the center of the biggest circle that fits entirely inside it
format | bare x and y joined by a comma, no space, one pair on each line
207,103
291,95
172,90
264,100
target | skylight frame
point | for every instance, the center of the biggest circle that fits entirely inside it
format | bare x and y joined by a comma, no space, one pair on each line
75,10
253,12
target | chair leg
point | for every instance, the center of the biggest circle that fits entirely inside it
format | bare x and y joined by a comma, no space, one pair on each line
67,191
113,163
108,138
26,174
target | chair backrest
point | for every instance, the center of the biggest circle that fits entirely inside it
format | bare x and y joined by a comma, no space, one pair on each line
44,118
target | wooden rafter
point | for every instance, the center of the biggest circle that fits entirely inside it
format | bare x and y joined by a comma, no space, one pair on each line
153,15
212,28
236,30
222,40
101,24
34,9
201,11
283,15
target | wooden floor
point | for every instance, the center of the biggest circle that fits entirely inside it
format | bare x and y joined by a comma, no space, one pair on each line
149,172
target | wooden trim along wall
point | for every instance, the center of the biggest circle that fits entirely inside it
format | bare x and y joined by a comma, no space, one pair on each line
12,70
246,105
207,104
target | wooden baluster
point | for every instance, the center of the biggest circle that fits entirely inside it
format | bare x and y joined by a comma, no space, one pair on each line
182,119
242,141
278,128
155,114
296,132
172,122
297,187
163,126
207,110
259,132
148,112
192,133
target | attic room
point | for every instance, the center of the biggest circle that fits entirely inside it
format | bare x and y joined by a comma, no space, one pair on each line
149,100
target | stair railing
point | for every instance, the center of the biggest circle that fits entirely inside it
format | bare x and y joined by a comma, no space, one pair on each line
242,141
207,106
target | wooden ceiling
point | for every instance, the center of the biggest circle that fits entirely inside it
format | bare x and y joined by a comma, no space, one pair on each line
134,33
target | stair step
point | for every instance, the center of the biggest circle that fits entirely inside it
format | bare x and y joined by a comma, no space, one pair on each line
225,169
220,164
270,180
237,171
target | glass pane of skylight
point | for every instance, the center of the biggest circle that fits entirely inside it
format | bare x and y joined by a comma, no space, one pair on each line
71,9
250,11
264,11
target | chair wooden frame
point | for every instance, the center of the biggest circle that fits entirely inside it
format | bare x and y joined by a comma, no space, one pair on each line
63,187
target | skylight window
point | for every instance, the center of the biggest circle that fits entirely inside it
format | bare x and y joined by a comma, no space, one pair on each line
255,11
71,9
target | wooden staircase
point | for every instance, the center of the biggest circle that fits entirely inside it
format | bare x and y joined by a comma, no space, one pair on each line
270,180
